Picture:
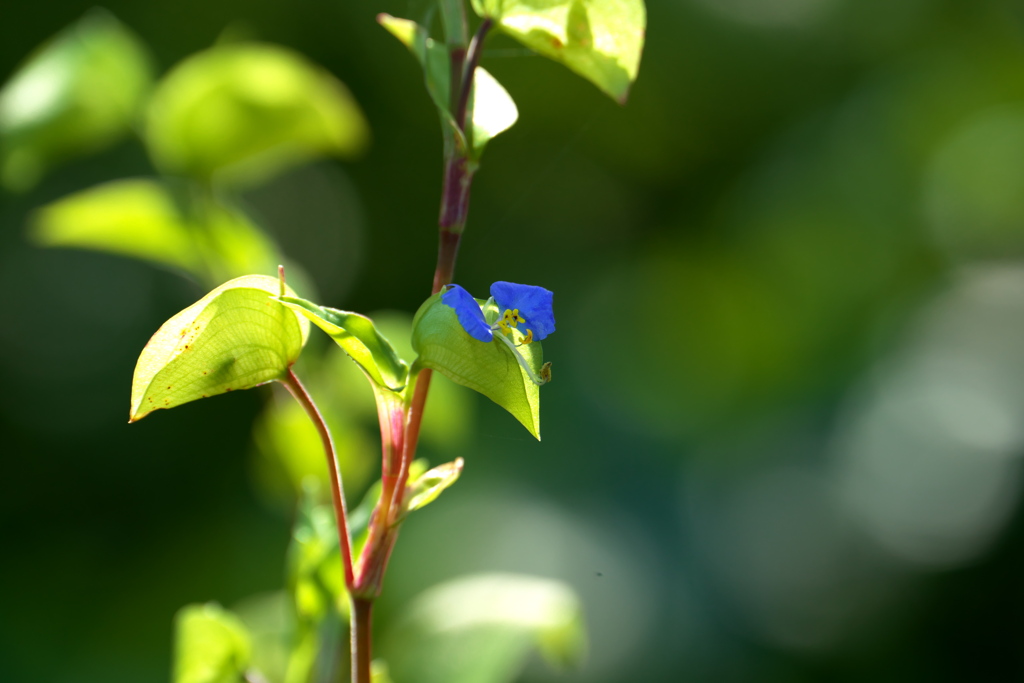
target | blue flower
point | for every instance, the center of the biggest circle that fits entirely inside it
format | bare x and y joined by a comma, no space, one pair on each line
471,317
525,304
524,316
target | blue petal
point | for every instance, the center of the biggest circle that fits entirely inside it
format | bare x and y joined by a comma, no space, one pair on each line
534,304
468,310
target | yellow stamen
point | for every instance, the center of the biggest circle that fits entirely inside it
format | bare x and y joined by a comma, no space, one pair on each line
528,337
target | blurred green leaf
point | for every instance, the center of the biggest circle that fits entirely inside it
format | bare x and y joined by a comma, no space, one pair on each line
129,217
601,40
490,368
139,218
317,583
289,448
427,487
359,338
493,109
481,629
270,620
239,113
235,337
78,93
211,645
379,672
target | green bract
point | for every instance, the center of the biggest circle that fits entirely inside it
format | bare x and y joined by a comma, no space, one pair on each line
360,339
235,337
428,486
140,218
493,110
211,645
600,40
77,94
243,112
490,368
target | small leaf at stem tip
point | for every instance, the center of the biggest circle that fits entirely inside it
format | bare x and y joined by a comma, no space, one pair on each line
359,338
601,40
493,109
429,485
211,645
490,368
236,337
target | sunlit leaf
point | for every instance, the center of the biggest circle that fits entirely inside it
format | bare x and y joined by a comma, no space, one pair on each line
427,487
139,218
379,672
211,645
493,109
601,40
242,112
78,93
482,629
235,337
490,368
360,339
130,217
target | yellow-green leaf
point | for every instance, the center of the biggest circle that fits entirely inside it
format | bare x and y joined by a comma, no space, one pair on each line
236,337
359,338
428,486
139,218
601,40
242,112
129,217
211,645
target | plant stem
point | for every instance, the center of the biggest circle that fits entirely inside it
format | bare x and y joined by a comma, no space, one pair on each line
291,381
468,72
391,412
362,609
459,169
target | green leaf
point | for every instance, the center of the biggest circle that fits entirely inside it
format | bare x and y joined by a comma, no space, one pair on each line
379,672
482,628
239,113
77,94
493,109
211,645
139,218
359,338
129,217
427,487
601,40
490,368
235,337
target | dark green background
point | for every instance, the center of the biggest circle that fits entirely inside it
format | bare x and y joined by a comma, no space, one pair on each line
753,263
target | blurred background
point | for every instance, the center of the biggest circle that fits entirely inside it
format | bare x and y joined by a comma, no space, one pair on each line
785,434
